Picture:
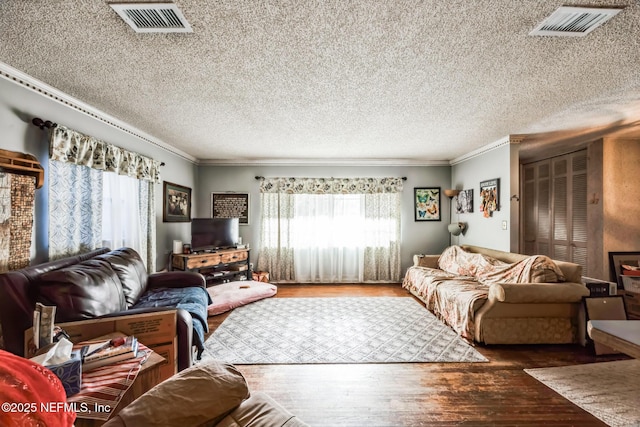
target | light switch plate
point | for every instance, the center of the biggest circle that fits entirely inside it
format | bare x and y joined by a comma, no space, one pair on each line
504,225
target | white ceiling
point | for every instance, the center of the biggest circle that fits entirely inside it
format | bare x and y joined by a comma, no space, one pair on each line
368,80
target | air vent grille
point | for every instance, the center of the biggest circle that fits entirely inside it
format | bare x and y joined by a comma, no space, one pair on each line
153,17
573,21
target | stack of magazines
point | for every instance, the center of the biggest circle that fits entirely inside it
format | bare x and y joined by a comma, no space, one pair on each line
107,352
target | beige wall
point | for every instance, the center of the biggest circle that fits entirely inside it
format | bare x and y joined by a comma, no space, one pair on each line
613,201
621,173
481,231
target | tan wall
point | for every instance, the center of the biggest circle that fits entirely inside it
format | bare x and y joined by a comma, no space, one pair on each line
620,197
597,263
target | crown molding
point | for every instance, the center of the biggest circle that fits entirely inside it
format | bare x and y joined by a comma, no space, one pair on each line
26,81
482,150
322,162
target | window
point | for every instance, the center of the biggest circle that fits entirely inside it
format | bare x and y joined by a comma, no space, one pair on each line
344,232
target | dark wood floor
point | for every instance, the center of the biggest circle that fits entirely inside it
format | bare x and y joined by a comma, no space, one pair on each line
498,393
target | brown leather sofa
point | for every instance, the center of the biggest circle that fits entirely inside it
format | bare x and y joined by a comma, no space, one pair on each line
98,284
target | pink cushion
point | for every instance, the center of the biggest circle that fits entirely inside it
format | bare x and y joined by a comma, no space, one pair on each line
230,295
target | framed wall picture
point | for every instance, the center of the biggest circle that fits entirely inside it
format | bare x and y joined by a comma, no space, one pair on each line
617,260
489,197
176,201
427,203
230,205
464,201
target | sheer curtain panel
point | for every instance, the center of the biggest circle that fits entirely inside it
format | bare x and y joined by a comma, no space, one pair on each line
75,209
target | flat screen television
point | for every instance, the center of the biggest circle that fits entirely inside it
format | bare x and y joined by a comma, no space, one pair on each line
214,233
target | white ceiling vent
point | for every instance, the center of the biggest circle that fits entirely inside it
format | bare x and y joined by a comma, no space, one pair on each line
153,17
573,21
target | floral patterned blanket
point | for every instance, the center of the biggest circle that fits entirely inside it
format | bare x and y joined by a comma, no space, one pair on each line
533,269
460,286
454,299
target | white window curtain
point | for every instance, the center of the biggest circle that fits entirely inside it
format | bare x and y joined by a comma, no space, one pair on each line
331,230
125,214
88,208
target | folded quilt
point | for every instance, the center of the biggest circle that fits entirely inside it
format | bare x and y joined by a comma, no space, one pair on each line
195,300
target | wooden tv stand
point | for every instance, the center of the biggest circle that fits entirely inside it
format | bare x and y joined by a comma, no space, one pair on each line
219,266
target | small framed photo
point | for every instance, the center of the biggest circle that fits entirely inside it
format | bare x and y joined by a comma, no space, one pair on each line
427,203
489,197
176,201
464,201
230,205
619,261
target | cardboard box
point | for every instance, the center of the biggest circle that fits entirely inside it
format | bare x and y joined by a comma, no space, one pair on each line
632,304
151,329
169,352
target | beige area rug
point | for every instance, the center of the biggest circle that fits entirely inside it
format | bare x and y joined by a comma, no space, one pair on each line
608,390
336,330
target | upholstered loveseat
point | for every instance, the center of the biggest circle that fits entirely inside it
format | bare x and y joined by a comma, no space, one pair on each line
99,284
495,297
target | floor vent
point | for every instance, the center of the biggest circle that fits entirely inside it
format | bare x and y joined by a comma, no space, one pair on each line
573,21
153,17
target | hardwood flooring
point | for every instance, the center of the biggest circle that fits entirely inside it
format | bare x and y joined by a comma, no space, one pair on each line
498,393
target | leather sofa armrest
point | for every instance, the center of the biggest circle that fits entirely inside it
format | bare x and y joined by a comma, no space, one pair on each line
537,293
430,261
177,279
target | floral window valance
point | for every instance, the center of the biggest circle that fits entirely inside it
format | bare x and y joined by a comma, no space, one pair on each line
331,185
67,145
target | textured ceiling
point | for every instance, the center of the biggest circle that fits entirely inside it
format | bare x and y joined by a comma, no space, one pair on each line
326,79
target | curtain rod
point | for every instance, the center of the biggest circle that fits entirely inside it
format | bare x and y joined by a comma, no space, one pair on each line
50,125
43,124
258,177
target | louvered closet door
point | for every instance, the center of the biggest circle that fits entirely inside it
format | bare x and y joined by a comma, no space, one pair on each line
555,208
537,208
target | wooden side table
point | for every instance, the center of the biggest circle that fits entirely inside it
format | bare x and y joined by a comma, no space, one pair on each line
147,378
